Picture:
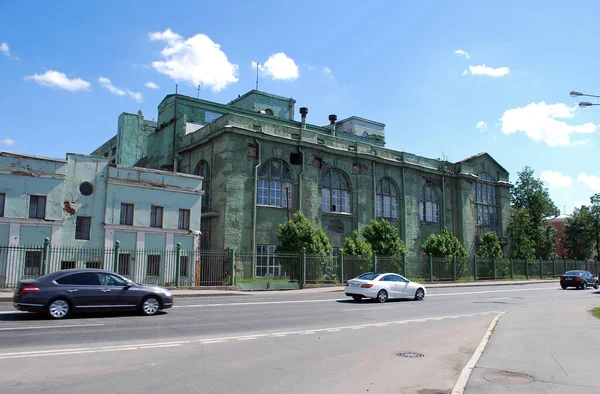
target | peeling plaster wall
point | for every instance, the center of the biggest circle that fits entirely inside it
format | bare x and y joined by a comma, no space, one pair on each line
132,133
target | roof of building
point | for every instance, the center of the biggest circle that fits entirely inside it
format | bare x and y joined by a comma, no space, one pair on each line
361,119
24,156
470,158
559,218
254,91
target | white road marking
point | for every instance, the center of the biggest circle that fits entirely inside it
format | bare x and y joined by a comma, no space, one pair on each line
490,291
146,346
47,327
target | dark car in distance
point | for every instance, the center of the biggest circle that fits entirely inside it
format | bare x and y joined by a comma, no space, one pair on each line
62,293
579,279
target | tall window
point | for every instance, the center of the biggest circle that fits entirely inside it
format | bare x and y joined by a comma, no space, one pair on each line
184,219
386,203
2,199
203,170
486,204
82,227
127,214
33,263
156,216
37,207
428,205
335,193
274,184
184,264
153,267
266,263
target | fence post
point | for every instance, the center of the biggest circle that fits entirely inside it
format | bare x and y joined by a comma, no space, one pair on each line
474,267
565,264
232,260
512,270
303,261
177,262
341,264
45,253
116,256
454,268
430,268
553,267
404,265
526,268
541,269
494,264
374,262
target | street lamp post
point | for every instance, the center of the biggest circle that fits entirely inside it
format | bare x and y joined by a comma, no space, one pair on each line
584,104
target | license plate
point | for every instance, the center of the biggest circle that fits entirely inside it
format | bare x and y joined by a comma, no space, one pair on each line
353,284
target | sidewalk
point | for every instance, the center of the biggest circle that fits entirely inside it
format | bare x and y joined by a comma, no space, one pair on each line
545,348
6,294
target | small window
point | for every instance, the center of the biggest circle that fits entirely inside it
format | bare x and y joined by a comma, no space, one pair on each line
429,210
269,112
124,267
2,199
94,265
37,207
111,280
81,279
67,265
86,188
184,262
82,227
156,216
127,214
184,219
33,263
153,268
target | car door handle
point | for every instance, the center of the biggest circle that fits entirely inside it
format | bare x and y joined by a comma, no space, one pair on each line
71,290
105,290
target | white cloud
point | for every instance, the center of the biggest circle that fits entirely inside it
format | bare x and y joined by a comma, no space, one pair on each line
463,53
279,66
55,79
578,204
151,85
556,179
541,122
481,126
489,71
7,142
327,71
108,85
591,181
6,51
196,60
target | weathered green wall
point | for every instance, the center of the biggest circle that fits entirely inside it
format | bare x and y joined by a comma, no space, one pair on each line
4,234
132,138
34,235
126,239
256,101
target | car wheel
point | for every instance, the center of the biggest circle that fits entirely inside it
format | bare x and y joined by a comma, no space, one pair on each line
563,287
356,297
382,296
583,286
596,286
150,306
59,308
419,295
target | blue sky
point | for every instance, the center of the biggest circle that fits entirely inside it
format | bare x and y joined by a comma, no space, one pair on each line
447,78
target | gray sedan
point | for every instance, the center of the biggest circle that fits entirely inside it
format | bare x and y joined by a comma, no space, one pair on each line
84,290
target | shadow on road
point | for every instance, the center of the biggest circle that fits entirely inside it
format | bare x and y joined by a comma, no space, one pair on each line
27,316
370,301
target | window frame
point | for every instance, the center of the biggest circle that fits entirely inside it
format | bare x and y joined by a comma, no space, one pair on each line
2,203
156,259
271,189
392,205
125,208
32,256
331,194
485,205
186,217
79,232
432,198
184,266
36,214
154,216
266,262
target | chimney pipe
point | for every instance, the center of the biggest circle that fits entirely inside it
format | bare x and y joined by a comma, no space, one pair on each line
303,112
332,120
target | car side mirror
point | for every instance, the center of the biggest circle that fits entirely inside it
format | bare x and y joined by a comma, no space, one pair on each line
128,284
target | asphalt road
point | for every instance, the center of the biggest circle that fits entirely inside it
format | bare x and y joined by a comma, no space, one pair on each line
261,343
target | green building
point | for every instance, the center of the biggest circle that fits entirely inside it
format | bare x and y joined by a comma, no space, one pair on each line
260,165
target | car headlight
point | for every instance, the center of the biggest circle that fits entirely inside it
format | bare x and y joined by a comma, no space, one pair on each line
167,293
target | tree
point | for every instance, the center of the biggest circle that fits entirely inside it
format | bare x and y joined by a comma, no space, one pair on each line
595,212
519,229
530,195
300,233
355,245
579,234
444,244
384,238
490,247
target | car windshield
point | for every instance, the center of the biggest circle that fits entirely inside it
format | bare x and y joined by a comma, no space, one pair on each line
574,273
368,276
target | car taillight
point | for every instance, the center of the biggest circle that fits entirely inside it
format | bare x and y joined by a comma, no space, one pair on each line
578,279
346,284
366,286
30,289
561,278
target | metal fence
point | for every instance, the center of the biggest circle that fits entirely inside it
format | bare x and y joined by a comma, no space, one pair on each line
178,267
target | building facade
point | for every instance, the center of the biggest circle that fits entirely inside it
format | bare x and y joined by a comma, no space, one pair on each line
85,203
259,165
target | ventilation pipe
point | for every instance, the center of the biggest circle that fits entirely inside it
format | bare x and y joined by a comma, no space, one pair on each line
332,120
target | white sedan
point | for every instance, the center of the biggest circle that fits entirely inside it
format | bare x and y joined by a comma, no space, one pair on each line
383,286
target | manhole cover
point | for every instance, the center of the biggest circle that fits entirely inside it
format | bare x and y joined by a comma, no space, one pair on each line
507,377
409,354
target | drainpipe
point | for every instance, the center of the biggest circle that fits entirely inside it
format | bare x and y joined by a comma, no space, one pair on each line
404,205
255,198
175,162
444,201
303,112
374,193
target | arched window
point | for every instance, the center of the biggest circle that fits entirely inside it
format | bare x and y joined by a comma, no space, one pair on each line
486,204
203,170
428,205
386,203
335,193
274,184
